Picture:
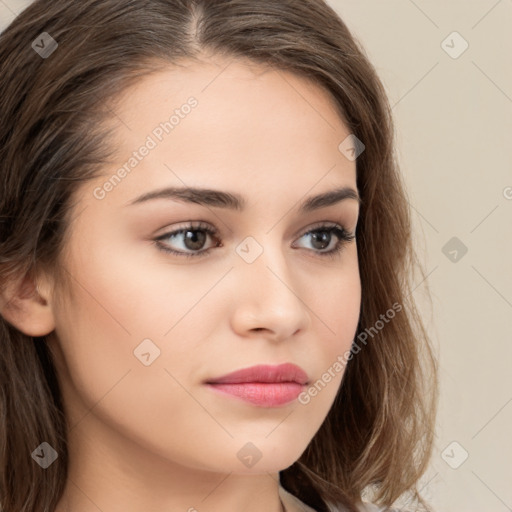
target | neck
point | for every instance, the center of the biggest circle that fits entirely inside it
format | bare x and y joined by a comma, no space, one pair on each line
106,476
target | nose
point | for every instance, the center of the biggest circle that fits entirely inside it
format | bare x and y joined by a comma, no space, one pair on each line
267,300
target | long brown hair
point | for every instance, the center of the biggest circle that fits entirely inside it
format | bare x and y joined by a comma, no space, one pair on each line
378,435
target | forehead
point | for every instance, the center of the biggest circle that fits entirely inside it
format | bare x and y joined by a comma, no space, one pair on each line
229,92
250,124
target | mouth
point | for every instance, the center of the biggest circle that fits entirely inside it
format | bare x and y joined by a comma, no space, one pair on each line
262,385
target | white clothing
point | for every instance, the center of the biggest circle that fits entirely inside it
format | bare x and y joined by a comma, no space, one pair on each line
289,500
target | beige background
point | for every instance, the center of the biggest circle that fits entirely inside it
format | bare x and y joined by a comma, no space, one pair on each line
454,131
454,127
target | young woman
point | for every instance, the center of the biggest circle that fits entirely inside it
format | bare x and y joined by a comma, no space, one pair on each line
205,265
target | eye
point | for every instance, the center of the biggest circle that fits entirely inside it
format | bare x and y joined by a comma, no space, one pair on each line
322,238
194,237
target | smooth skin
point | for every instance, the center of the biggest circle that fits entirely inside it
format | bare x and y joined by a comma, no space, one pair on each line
155,437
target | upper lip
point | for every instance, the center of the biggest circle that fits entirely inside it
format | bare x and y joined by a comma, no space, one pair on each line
264,373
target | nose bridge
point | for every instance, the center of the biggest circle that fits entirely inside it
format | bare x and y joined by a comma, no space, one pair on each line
270,297
264,263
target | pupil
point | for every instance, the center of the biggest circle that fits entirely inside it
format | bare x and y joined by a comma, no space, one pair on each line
324,237
197,241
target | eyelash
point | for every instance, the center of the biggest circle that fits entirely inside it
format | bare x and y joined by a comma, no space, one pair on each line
341,233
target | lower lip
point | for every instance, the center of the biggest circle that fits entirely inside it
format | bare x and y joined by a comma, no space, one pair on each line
261,394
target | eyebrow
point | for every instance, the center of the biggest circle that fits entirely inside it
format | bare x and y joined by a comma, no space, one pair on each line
233,201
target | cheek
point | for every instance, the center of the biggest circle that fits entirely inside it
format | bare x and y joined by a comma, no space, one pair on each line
344,309
103,380
335,303
119,312
335,318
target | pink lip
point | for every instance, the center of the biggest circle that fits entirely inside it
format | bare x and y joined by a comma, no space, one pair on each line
263,385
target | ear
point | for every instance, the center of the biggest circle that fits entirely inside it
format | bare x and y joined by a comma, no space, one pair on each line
26,304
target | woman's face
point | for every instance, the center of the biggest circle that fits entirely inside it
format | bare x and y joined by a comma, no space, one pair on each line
144,329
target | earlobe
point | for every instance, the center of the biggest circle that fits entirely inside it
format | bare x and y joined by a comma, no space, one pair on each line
26,304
